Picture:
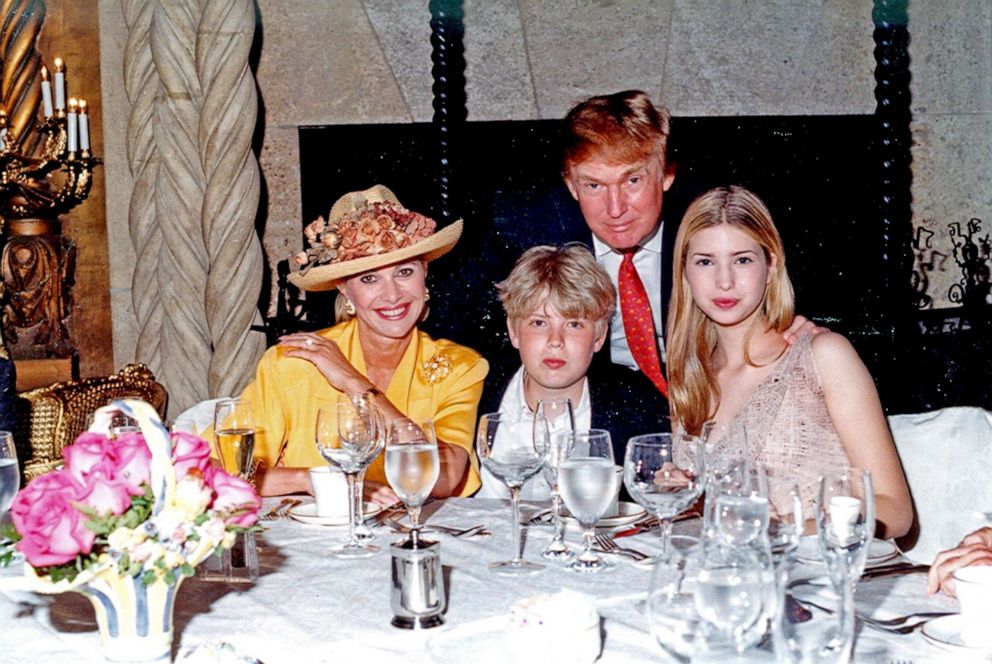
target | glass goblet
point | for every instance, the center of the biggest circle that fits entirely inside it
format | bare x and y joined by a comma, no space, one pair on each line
671,608
740,513
234,435
10,474
553,421
662,481
588,483
506,449
412,465
349,436
845,525
785,518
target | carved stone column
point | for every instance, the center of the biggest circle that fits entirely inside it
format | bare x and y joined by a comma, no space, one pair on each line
199,261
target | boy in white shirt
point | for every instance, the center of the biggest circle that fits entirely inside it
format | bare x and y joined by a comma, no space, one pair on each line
558,302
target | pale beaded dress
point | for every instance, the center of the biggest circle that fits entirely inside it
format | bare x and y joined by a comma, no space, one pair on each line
786,425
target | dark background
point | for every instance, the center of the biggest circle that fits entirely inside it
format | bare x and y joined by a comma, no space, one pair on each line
819,176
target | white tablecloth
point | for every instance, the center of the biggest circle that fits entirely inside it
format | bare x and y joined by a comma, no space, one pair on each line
309,607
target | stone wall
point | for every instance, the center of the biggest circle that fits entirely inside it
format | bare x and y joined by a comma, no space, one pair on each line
355,61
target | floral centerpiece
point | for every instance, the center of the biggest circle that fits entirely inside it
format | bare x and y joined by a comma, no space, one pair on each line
125,521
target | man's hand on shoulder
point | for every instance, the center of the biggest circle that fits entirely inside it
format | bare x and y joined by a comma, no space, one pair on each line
800,326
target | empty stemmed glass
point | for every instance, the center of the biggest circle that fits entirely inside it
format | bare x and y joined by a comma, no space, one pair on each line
412,465
785,517
663,481
588,482
506,449
552,418
349,436
845,525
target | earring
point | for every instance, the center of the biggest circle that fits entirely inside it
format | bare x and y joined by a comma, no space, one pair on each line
427,295
349,308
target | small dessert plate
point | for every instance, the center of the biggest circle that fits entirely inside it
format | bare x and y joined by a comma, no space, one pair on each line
307,513
946,633
879,551
627,513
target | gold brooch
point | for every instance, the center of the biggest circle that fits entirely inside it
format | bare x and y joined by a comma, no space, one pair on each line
436,369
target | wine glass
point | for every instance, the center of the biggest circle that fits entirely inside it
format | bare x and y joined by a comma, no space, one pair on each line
506,449
587,481
412,465
785,517
740,514
234,435
350,435
735,596
663,481
10,474
552,418
845,525
671,608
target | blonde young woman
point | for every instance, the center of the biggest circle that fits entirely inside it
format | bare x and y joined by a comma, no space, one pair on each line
375,253
807,409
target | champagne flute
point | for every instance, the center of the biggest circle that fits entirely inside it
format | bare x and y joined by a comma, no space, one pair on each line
10,474
234,435
552,418
663,481
349,436
506,449
845,525
412,465
588,483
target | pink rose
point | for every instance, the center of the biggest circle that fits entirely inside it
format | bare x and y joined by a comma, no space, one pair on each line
90,449
51,528
234,495
189,452
104,494
133,462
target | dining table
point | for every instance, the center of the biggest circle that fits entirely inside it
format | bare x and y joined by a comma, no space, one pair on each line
308,606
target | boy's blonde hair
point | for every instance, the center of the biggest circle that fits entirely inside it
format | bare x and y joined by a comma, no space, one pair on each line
568,278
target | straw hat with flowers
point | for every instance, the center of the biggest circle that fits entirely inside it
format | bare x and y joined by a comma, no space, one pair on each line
366,230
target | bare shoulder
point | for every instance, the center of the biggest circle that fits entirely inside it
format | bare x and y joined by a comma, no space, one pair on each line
831,347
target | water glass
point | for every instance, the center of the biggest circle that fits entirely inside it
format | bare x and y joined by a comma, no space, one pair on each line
506,449
739,510
588,481
845,525
664,473
786,520
350,435
10,473
412,465
734,597
554,420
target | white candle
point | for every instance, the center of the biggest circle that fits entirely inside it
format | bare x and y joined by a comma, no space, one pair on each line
844,512
59,84
84,126
46,92
72,127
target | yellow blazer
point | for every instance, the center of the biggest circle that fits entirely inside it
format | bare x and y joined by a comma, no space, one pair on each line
435,379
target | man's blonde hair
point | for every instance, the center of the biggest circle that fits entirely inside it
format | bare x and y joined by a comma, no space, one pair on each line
568,278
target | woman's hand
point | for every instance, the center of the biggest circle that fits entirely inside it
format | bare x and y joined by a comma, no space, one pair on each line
329,360
381,494
975,549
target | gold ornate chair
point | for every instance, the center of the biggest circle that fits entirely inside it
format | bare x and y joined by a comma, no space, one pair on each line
49,418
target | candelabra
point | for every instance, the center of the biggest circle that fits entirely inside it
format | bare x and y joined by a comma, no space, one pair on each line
37,262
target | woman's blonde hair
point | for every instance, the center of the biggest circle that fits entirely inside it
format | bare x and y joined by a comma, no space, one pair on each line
568,278
691,336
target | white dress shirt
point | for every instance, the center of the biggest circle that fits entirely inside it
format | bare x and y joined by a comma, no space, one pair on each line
514,403
647,262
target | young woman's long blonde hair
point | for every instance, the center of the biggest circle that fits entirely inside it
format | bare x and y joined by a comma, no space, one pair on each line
690,336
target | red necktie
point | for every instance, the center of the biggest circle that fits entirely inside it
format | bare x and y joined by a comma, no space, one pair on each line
638,323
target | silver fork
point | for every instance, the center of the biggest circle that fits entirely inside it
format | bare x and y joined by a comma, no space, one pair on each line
882,625
281,510
479,530
608,545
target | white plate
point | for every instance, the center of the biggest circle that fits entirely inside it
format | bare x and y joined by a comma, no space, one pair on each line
946,632
627,513
879,551
308,514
